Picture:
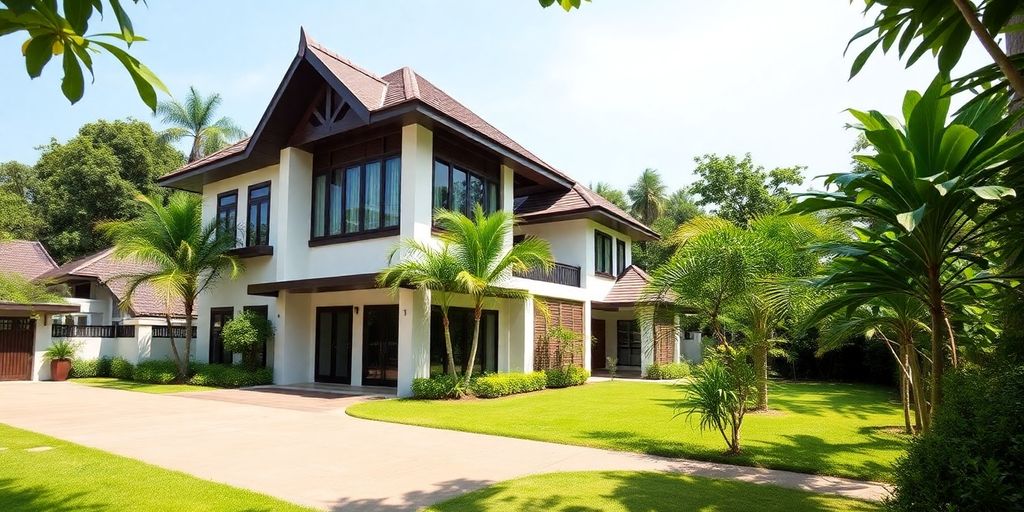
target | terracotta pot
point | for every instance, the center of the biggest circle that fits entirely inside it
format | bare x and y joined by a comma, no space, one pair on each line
59,369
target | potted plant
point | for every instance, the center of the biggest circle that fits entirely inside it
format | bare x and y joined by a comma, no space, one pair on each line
60,354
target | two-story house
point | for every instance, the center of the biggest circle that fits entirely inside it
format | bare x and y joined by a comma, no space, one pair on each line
342,165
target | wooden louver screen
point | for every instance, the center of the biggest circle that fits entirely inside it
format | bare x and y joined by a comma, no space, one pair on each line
567,314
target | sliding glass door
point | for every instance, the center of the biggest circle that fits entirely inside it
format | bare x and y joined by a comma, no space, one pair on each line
334,344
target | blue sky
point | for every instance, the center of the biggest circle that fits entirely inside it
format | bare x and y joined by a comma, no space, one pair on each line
601,93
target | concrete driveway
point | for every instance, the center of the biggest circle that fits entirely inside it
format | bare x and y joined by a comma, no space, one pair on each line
304,449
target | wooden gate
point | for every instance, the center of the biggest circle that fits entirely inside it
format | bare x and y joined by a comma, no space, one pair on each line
16,340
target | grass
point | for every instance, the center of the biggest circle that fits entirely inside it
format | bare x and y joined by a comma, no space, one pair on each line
822,428
128,385
69,477
626,491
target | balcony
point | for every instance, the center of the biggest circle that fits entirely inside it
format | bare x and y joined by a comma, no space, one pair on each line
561,273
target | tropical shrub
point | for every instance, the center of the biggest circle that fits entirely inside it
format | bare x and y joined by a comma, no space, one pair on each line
246,334
668,371
229,376
438,387
502,384
566,376
973,456
81,368
156,371
720,392
121,369
61,350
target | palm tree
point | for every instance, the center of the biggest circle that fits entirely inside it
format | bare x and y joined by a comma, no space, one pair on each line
931,196
486,261
430,267
612,194
647,196
195,119
183,256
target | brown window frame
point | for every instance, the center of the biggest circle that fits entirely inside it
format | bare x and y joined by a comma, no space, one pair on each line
252,236
620,256
233,209
452,165
600,236
361,232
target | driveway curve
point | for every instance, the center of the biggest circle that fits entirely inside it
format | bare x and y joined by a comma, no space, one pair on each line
306,450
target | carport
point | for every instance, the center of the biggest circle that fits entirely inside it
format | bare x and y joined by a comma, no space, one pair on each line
23,338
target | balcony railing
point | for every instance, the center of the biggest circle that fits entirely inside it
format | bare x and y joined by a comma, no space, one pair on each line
82,331
162,331
561,273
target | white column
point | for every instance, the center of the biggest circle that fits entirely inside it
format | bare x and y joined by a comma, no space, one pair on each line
646,345
413,338
289,203
587,337
417,179
357,345
521,336
144,342
294,341
677,336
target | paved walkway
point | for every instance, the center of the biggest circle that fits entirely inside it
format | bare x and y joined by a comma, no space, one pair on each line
306,450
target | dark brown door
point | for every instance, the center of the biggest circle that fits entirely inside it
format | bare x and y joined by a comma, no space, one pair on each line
16,337
597,350
380,345
219,317
333,359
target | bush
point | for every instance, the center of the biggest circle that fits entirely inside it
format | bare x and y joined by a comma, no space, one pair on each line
156,371
502,384
246,334
81,368
121,369
228,376
668,371
571,375
437,387
973,456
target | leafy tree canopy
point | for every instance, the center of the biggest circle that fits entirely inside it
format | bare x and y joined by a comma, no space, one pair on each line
95,176
612,194
17,289
739,190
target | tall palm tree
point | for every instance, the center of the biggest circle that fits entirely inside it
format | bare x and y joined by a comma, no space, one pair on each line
194,119
486,261
183,256
431,267
930,198
647,196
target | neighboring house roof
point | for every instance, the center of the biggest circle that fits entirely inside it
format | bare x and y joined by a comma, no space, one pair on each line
578,199
114,273
25,258
629,287
404,86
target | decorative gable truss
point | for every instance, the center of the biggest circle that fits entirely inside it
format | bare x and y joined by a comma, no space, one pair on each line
328,113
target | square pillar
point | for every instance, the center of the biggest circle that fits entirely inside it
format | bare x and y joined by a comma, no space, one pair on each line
588,337
413,338
521,336
646,345
416,216
294,340
289,211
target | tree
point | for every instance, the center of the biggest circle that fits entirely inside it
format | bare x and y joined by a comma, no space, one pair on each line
680,207
740,190
247,334
19,179
186,257
568,5
720,394
95,176
17,289
479,246
647,196
431,267
54,32
194,119
17,219
933,196
612,194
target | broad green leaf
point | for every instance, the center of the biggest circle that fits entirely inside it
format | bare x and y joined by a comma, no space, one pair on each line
77,13
910,100
955,143
862,57
38,52
145,80
123,21
946,186
910,220
993,192
72,84
863,195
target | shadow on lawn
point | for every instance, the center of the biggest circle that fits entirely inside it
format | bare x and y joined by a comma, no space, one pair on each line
414,500
643,491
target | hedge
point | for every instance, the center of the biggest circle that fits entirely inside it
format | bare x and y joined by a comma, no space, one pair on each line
81,368
156,371
502,384
437,387
668,371
121,369
571,375
229,376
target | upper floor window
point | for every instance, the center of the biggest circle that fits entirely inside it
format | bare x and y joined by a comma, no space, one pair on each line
460,190
602,253
357,198
620,256
258,221
227,214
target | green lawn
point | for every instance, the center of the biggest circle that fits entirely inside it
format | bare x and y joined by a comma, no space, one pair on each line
70,477
627,491
823,428
128,385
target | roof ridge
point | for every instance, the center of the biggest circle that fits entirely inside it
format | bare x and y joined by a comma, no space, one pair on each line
310,42
411,83
87,261
45,252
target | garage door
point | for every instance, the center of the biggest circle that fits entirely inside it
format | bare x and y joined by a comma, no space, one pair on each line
16,336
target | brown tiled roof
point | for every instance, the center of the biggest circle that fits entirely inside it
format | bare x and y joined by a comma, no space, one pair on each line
221,154
578,198
114,273
629,287
26,258
367,87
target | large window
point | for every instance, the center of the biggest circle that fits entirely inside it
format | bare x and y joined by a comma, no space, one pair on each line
627,342
258,220
357,198
602,253
461,327
461,190
227,214
620,256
